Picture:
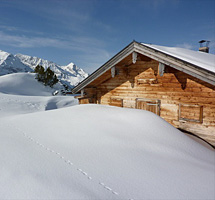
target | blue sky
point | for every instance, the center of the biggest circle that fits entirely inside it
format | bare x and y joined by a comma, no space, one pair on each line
90,32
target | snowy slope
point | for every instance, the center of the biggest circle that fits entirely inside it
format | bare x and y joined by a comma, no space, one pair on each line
100,152
95,152
201,59
23,84
20,93
70,75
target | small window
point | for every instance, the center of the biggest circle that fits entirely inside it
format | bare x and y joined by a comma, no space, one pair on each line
86,100
192,113
116,102
152,105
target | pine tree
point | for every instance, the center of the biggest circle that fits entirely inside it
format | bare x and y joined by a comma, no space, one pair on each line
46,76
55,79
40,72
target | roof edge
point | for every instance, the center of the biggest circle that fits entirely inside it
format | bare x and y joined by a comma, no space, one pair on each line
105,67
177,63
155,54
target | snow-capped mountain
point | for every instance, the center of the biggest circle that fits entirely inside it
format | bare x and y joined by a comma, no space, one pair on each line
69,75
11,64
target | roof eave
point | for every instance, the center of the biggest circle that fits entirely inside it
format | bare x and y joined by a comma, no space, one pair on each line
181,65
108,65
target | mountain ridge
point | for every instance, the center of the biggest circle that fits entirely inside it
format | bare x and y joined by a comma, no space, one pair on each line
69,75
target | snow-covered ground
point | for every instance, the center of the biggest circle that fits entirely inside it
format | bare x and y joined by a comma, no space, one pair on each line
21,93
93,151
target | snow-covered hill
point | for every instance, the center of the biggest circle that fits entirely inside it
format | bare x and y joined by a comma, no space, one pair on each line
93,151
24,84
21,93
69,75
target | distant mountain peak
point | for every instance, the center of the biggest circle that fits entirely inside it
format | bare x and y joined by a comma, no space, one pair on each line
71,64
3,56
69,75
11,64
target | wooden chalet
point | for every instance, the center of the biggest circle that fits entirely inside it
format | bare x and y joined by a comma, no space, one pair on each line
176,84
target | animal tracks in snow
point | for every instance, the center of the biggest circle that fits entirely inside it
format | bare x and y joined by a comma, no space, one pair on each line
56,153
66,161
108,188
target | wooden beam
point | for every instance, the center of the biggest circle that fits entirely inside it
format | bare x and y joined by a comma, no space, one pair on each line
113,61
188,68
134,57
82,92
113,71
161,69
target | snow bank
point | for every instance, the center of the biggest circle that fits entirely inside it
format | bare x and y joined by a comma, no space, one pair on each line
23,84
93,151
11,105
21,93
101,152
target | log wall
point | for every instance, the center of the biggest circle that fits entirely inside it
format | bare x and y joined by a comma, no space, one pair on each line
183,99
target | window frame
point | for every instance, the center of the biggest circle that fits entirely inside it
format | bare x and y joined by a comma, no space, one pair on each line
200,120
120,99
155,102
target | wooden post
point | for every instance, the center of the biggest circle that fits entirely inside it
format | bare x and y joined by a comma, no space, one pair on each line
82,92
134,57
113,71
161,69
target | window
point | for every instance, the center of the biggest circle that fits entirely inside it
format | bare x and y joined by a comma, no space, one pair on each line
192,113
116,102
86,100
152,105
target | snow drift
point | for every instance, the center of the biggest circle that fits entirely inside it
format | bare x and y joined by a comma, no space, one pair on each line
21,93
94,151
24,84
101,152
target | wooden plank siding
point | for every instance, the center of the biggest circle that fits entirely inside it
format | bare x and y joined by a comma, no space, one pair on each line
172,89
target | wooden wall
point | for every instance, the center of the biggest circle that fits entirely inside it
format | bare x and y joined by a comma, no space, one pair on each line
185,102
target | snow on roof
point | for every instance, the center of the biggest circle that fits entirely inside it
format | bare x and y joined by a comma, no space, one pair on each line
200,59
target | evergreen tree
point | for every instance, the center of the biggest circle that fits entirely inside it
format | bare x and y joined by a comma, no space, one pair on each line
40,72
46,76
55,79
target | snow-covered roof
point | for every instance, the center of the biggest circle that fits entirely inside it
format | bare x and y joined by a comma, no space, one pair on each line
200,59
